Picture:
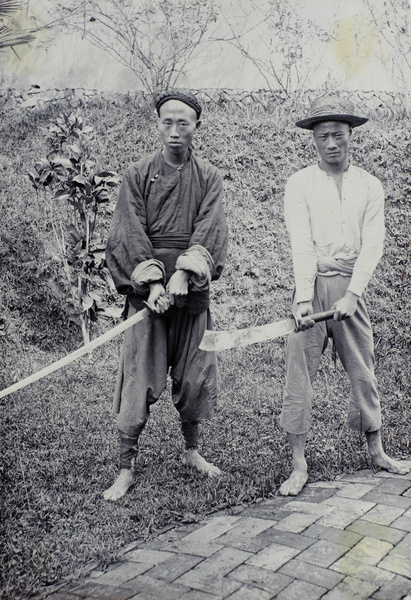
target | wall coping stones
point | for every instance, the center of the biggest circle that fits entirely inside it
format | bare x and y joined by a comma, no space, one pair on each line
382,103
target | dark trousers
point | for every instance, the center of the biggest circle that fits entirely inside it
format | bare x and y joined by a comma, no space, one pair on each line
156,346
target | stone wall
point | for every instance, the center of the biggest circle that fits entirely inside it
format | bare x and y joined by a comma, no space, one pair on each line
386,104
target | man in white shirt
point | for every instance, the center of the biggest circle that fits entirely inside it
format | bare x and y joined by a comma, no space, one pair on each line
334,212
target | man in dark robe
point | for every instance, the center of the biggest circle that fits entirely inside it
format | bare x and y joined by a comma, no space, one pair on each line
167,242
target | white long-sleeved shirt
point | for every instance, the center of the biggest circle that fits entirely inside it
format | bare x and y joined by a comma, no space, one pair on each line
331,235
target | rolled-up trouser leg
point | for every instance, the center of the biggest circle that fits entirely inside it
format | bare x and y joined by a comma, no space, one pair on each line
303,357
354,344
190,433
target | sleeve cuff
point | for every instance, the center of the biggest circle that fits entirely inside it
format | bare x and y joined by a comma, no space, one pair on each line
145,273
199,262
356,289
304,294
358,283
303,298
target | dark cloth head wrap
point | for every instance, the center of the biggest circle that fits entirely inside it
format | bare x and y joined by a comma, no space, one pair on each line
184,96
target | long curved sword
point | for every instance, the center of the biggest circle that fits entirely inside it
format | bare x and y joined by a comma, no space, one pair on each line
102,339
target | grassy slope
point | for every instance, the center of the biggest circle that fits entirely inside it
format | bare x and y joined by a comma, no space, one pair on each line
59,439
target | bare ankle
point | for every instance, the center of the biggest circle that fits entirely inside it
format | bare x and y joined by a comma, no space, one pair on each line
299,464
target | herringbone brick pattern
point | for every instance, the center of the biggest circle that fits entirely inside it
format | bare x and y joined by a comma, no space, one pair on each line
348,539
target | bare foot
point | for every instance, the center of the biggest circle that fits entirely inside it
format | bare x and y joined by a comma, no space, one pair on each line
123,482
383,461
295,483
192,458
379,458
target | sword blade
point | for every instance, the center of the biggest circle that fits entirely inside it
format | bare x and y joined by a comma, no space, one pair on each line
224,340
102,339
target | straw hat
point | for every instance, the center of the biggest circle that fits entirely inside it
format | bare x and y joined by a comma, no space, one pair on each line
331,108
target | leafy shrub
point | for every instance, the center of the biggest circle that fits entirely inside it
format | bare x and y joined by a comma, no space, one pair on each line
70,174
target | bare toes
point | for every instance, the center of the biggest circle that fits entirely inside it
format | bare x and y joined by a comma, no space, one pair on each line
113,494
293,485
400,468
392,466
120,487
192,458
212,470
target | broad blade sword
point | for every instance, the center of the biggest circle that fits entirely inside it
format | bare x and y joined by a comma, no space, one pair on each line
102,339
224,340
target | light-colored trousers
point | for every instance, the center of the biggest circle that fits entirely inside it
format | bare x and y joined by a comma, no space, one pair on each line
354,344
150,349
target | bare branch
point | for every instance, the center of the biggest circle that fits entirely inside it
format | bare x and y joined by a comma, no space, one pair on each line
279,48
392,22
156,39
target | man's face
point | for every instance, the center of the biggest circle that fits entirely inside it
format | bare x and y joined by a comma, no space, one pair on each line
332,139
177,124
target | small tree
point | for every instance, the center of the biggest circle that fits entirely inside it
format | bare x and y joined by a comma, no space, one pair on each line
156,39
277,40
77,189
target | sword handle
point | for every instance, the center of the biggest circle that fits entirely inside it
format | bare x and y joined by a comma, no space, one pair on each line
322,316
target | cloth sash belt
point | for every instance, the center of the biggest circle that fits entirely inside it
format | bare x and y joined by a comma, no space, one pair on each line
341,265
180,240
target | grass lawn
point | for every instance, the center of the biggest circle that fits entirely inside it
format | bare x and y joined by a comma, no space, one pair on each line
59,439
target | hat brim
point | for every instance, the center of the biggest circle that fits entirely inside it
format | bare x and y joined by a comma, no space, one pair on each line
351,119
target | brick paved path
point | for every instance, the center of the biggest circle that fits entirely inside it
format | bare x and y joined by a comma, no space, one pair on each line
344,540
